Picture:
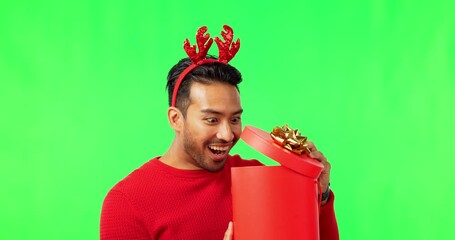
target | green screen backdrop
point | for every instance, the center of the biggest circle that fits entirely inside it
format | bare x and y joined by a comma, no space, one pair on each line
83,103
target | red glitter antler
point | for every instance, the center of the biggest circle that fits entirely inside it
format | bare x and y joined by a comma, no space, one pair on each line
226,52
203,42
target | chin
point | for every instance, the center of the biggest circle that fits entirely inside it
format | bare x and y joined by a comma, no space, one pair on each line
215,167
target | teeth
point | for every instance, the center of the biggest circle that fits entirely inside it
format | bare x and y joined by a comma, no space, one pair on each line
218,148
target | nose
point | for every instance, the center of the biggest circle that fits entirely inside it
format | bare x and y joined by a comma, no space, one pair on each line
225,132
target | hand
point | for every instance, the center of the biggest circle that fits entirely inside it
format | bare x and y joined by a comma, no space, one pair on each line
228,233
324,178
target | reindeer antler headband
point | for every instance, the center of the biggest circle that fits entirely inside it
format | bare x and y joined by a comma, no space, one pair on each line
226,49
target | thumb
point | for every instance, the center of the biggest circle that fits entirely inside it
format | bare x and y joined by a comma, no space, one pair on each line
228,233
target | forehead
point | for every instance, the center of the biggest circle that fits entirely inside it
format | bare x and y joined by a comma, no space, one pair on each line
216,96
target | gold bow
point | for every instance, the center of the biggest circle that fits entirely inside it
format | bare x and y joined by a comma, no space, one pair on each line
290,139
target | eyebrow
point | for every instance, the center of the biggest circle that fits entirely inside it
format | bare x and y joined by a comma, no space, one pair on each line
208,110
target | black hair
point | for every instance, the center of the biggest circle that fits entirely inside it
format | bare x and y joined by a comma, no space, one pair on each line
205,73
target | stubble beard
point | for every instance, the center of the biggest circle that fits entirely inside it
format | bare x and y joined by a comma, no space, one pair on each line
190,147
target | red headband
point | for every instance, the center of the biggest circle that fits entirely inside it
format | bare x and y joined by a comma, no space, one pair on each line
226,49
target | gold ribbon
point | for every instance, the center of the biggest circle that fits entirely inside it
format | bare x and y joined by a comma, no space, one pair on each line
290,139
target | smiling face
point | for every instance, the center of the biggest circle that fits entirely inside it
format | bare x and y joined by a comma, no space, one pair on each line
212,125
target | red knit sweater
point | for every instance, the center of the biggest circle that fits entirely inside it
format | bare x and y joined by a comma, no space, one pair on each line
159,202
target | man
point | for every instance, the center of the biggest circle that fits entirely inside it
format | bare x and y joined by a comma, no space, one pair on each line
185,194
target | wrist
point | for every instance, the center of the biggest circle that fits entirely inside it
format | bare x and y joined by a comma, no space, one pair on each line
326,194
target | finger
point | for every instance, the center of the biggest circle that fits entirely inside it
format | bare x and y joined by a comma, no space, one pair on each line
228,233
311,146
327,167
318,156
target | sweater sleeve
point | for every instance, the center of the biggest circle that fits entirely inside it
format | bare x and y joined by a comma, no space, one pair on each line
119,220
328,228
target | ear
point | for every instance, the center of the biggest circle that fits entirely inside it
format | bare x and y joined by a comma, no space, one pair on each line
175,118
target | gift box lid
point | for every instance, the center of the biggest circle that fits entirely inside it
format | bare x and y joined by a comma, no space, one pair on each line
264,143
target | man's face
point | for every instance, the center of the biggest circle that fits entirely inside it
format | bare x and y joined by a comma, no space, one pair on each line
212,124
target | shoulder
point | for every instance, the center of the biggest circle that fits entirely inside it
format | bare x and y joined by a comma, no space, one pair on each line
138,178
237,161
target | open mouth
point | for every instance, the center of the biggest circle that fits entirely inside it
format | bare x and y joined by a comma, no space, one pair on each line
219,150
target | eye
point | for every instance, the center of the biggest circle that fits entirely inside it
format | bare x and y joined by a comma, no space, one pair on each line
236,120
211,120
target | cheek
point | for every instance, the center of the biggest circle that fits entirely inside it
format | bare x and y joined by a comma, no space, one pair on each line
237,130
200,129
204,133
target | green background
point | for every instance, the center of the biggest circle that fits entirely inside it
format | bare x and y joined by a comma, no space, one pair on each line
83,103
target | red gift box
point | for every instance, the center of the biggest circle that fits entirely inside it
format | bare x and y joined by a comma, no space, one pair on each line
279,202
